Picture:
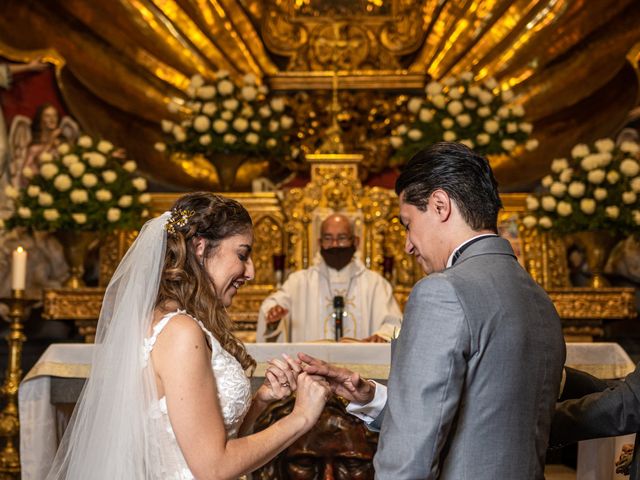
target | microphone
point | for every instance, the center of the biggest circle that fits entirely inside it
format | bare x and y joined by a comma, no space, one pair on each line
338,314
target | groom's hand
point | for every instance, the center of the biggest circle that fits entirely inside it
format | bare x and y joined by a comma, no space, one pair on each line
343,382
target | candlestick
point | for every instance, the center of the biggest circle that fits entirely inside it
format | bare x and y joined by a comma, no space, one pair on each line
19,269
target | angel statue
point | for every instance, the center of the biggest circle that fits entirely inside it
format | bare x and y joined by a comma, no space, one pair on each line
29,139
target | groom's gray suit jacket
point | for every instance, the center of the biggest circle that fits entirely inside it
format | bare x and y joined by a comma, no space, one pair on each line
475,373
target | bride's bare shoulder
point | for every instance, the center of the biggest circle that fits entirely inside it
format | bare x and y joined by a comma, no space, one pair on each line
181,334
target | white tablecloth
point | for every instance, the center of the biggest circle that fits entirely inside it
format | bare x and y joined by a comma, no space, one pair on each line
38,423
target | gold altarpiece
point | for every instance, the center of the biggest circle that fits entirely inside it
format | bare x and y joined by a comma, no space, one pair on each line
284,224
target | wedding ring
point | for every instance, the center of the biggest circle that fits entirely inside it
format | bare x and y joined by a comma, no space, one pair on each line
285,384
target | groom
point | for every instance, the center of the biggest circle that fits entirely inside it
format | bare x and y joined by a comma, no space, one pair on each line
459,405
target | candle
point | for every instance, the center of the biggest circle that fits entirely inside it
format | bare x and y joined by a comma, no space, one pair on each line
19,269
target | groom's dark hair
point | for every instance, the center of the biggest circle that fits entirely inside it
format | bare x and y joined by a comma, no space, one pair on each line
463,174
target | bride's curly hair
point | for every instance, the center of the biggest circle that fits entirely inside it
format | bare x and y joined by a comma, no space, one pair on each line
184,280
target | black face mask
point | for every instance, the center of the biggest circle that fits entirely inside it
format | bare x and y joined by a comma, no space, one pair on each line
338,257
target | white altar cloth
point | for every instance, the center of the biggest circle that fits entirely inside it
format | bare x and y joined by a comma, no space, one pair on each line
38,438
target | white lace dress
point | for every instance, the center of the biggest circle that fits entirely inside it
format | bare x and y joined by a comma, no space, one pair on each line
234,394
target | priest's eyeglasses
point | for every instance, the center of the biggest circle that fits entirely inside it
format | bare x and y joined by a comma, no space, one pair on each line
340,240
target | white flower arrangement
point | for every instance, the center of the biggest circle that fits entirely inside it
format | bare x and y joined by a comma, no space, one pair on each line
225,118
479,115
87,186
598,188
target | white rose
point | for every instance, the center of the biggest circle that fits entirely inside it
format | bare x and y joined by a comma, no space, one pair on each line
518,110
455,108
565,175
491,126
24,212
139,183
113,214
629,197
547,181
256,125
264,111
48,170
206,92
64,149
507,95
576,189
220,74
605,145
467,143
414,134
286,122
508,144
271,143
529,221
525,127
630,147
252,138
144,198
512,127
196,81
564,209
545,222
636,216
103,195
160,146
226,115
414,104
580,150
274,126
600,193
559,164
558,189
491,83
603,158
612,211
85,141
474,90
612,176
503,112
240,124
109,176
79,218
484,112
596,176
277,104
396,142
485,97
11,192
79,196
229,139
50,214
89,180
433,88
629,167
231,104
449,136
225,87
464,120
447,123
209,108
249,79
466,76
249,93
173,106
448,81
635,184
470,104
439,101
589,162
483,139
532,203
126,201
104,146
95,159
247,111
144,213
455,94
62,182
205,139
32,190
130,166
45,199
45,157
201,123
548,203
588,205
220,126
77,169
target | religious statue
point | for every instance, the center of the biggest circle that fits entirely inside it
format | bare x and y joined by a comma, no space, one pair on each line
338,447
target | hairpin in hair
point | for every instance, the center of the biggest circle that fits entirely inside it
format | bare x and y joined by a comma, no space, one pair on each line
178,219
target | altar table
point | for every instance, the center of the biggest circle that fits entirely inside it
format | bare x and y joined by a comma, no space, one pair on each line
59,374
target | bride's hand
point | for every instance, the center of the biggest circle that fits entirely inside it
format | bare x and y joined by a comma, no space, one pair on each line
281,379
313,393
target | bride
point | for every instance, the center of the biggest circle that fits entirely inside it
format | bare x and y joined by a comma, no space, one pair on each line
168,397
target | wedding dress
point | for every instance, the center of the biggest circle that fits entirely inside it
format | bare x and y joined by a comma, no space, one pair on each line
234,394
